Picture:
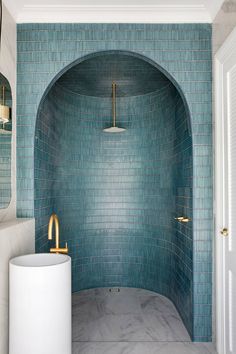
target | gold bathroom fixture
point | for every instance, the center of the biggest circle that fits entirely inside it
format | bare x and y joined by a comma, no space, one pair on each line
184,219
224,232
4,110
114,128
179,218
54,220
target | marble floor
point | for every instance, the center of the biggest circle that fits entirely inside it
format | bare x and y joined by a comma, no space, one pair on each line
129,321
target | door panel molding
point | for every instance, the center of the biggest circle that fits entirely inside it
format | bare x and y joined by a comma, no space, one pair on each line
223,61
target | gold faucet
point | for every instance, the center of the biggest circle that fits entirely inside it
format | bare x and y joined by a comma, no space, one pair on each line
54,220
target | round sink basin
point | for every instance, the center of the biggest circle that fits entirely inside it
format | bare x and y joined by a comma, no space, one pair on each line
40,304
40,260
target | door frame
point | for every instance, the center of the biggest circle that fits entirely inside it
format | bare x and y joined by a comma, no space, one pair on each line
227,50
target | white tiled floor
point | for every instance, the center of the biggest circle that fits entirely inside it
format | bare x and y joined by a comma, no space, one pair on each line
132,321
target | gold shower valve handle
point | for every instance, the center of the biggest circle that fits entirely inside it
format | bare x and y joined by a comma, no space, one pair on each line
179,218
183,219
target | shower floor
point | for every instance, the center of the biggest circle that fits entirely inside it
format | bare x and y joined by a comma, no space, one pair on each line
129,321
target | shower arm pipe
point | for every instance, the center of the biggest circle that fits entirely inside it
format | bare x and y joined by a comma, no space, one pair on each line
114,103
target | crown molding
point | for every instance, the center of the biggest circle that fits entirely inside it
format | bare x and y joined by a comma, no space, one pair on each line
113,14
213,7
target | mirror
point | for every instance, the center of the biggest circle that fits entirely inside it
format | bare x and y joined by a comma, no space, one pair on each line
5,141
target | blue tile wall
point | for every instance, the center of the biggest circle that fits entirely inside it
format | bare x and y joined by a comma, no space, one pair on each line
184,53
45,159
117,194
183,233
93,77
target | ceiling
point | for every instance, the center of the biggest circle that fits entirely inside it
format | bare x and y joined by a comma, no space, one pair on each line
94,77
121,11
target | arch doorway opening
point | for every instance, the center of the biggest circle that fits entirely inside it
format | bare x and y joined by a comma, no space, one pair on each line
117,196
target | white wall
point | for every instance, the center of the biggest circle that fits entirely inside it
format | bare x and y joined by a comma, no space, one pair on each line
8,69
223,24
16,238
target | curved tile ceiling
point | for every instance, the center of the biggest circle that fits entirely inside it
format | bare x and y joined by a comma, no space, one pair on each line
94,76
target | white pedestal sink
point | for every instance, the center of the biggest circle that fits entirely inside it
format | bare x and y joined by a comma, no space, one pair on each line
40,304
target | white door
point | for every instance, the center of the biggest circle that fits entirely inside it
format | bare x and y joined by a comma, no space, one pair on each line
225,168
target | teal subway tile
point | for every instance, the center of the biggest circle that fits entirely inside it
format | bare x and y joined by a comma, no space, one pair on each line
134,215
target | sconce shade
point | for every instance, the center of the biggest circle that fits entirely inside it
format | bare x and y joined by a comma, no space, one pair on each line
4,113
4,110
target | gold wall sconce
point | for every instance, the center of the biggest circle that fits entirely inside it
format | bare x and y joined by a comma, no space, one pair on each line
5,111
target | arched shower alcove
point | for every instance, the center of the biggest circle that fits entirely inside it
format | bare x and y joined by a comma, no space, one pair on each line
117,195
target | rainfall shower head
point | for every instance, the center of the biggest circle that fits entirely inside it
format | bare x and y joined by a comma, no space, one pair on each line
114,129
